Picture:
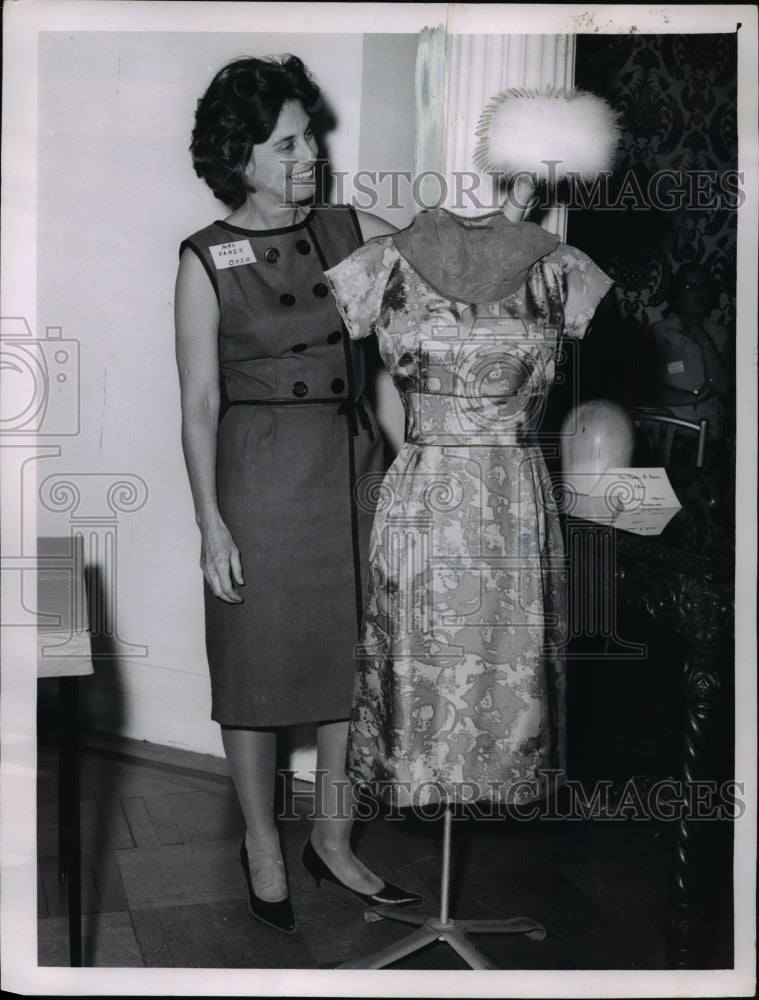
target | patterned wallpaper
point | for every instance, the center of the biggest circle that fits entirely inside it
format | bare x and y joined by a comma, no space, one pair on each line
674,189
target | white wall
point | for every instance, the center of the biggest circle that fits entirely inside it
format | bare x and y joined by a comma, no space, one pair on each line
116,194
388,144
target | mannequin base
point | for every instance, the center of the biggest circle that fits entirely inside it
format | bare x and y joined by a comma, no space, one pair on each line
453,932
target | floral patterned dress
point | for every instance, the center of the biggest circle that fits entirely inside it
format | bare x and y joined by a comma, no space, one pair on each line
460,677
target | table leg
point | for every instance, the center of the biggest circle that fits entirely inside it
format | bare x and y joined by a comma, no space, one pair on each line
702,693
69,820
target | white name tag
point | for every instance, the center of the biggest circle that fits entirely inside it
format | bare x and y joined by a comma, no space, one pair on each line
232,254
675,367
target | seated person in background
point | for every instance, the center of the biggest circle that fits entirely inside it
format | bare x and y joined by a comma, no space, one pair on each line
685,368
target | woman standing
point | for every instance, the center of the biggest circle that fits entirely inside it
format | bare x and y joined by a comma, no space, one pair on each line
276,434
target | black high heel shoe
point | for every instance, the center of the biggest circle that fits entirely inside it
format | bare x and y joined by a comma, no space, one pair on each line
388,895
279,915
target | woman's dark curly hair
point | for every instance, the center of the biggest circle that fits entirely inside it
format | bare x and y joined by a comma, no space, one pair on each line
240,110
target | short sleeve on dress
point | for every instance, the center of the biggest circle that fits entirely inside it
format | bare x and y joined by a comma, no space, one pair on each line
358,283
586,285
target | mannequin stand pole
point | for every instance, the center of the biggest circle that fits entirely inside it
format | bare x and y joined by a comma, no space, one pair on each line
441,928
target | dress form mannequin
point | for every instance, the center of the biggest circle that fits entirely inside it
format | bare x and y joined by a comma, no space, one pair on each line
449,728
428,929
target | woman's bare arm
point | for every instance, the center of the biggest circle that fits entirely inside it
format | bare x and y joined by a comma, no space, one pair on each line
196,317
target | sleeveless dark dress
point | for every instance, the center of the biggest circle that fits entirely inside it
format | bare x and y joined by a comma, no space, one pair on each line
295,438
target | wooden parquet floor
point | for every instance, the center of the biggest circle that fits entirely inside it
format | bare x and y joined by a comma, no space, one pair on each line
162,886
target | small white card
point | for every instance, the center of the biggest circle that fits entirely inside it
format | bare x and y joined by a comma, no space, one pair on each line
638,500
232,254
675,367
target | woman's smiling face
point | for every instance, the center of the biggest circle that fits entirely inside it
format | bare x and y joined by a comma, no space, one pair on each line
283,169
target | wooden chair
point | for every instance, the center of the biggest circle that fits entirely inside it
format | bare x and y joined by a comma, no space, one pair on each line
658,432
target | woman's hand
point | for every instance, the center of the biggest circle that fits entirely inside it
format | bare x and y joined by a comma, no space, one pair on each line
220,562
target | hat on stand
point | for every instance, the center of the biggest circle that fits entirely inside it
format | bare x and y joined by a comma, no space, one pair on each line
547,134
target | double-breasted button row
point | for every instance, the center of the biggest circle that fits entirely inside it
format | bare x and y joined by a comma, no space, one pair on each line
300,389
272,255
332,338
320,290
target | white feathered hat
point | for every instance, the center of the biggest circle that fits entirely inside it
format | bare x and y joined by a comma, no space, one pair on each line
548,133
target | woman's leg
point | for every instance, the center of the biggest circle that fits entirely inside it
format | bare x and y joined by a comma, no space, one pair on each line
252,757
334,808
